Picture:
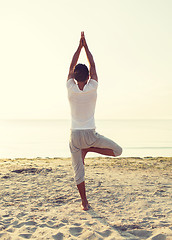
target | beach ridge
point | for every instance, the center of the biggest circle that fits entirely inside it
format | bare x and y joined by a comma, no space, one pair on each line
130,198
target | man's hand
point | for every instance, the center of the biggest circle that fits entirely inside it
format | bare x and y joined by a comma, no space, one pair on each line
82,34
83,39
93,73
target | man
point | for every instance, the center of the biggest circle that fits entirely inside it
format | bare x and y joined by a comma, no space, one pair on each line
82,93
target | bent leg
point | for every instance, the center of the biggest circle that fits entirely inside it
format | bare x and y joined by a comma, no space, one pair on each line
103,151
106,144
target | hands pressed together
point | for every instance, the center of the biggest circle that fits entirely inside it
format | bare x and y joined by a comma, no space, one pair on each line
82,40
74,61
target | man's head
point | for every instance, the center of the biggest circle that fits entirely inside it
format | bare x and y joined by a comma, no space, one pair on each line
81,73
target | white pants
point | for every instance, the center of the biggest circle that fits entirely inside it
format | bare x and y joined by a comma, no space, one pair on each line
82,139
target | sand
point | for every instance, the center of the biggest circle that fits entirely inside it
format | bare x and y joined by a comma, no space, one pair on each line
130,199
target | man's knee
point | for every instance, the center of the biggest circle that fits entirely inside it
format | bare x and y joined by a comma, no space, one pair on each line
118,151
79,180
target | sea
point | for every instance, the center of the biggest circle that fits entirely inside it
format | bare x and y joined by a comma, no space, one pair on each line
50,138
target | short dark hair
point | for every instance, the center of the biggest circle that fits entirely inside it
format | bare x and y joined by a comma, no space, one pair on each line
81,72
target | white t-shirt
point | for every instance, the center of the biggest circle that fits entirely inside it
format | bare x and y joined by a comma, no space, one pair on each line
82,103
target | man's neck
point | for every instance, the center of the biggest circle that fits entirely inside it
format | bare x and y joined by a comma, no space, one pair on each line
81,85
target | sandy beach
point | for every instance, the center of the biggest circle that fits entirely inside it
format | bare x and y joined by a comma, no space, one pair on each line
130,198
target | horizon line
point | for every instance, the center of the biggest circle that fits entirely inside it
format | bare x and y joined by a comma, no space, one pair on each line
68,119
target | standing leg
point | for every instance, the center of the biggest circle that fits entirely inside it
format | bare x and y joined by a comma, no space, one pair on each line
79,173
81,188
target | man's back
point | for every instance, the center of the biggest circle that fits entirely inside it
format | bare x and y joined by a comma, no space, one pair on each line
82,104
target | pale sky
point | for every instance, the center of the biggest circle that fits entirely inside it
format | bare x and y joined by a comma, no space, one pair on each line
131,42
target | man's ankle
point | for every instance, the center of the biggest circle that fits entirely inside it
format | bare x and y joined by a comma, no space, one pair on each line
85,205
84,202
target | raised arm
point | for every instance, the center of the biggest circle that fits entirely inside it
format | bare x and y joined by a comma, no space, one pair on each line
74,60
93,73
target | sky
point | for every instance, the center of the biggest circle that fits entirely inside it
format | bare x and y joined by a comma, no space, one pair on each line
130,41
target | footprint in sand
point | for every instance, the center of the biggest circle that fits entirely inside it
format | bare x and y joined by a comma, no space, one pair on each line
159,237
56,226
30,223
19,225
21,214
75,231
141,233
105,233
58,236
5,223
25,235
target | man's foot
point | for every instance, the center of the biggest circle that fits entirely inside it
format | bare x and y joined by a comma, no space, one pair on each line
85,207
